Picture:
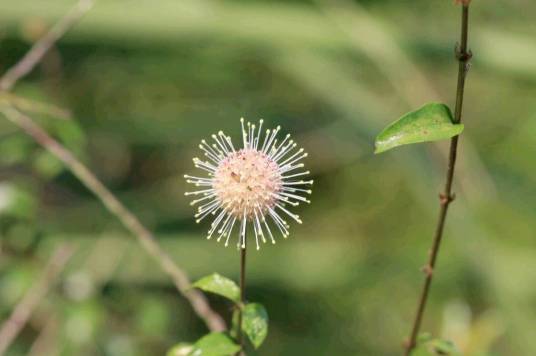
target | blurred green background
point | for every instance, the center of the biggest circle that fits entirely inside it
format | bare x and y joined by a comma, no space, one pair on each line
147,80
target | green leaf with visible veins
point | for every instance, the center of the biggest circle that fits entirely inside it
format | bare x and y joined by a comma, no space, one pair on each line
214,344
218,284
432,122
255,323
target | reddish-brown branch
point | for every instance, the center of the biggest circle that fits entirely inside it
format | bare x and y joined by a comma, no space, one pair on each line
463,56
145,237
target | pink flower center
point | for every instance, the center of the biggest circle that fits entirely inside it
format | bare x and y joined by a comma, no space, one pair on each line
247,183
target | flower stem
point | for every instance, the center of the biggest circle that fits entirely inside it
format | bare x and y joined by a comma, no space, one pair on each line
242,297
446,197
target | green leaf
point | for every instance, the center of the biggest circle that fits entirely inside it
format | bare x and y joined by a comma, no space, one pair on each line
218,284
214,344
443,347
428,346
432,122
181,349
255,323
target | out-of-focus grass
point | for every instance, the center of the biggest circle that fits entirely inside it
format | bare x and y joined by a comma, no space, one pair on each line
147,80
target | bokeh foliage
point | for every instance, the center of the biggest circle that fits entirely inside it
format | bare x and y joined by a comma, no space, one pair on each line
146,80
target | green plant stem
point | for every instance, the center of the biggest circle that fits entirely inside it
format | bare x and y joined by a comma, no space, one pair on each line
446,197
240,334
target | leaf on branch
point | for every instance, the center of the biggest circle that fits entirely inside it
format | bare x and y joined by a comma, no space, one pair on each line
214,344
432,122
429,346
218,284
255,323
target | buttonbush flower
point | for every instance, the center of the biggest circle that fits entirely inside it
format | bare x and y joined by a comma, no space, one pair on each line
255,185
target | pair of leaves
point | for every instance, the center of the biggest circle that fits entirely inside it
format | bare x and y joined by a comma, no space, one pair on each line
213,344
432,122
254,315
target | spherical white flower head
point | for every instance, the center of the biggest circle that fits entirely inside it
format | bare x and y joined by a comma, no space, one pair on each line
247,181
250,184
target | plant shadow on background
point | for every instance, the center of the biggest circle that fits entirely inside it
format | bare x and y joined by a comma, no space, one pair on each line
143,89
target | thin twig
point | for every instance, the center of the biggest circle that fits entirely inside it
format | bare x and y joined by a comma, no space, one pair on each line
407,79
147,240
198,301
41,47
463,56
24,309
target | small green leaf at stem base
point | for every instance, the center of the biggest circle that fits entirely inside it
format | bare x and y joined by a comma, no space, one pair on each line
255,323
432,122
429,346
214,344
218,284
